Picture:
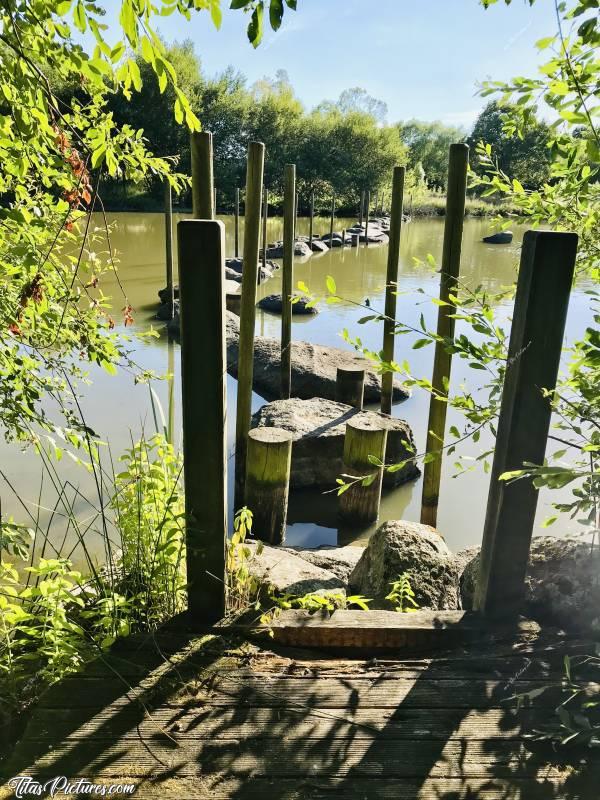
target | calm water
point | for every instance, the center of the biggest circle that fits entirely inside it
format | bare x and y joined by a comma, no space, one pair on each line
118,409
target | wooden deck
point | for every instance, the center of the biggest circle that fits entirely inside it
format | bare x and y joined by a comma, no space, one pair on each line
196,717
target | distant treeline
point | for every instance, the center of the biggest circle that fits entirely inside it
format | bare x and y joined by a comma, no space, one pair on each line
339,147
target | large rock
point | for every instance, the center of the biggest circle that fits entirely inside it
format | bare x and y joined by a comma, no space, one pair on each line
274,302
287,573
317,246
233,272
399,546
318,427
314,366
339,560
301,249
562,587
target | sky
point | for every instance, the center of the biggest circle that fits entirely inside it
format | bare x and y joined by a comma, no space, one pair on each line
423,58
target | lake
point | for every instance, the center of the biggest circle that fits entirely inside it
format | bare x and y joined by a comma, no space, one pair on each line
118,409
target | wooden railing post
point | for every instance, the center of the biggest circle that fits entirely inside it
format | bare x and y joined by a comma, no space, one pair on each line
331,221
312,219
236,228
391,286
203,374
169,248
453,228
252,216
536,337
202,175
367,209
287,279
361,208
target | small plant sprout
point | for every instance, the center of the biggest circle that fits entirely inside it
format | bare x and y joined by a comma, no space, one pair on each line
402,594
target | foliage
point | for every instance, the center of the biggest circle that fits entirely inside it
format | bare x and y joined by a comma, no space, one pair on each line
523,154
149,510
402,594
428,144
242,586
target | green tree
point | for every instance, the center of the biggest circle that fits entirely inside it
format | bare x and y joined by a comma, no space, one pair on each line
524,154
427,144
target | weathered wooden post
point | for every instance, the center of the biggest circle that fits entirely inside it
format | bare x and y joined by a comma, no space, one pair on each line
453,228
264,227
312,219
252,215
169,248
365,437
268,481
361,208
203,374
202,175
214,202
350,386
343,238
296,202
287,279
391,286
331,220
536,337
236,227
367,209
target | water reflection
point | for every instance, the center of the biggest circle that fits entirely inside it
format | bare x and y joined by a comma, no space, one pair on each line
120,409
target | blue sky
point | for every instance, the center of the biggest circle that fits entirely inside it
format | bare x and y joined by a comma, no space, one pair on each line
423,58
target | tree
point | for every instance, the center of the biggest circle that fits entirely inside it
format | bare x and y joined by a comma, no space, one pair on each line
360,101
428,144
524,154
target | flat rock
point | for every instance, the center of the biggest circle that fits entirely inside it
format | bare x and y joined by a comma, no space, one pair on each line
273,302
301,249
318,427
287,573
561,585
314,366
399,546
339,560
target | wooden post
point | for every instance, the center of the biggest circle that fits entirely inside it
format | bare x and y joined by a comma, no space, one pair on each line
355,239
214,203
536,337
331,221
169,248
287,279
350,386
252,215
311,220
268,481
367,208
203,375
236,229
264,227
343,238
202,175
296,199
361,208
453,228
365,436
391,287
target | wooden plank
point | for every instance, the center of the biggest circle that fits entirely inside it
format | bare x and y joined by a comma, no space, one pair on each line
209,722
293,758
536,338
551,786
373,630
278,691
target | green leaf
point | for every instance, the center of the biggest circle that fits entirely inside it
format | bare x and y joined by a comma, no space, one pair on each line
421,343
255,28
330,283
275,14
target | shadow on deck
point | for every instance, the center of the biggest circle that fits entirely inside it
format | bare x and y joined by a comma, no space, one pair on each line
188,716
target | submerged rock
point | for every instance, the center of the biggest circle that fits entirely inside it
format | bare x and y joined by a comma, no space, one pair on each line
337,239
273,302
501,237
318,427
233,272
287,573
399,546
561,586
